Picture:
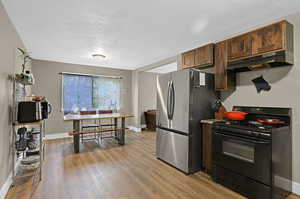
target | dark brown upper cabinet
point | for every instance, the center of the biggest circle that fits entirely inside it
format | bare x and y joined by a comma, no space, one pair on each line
239,47
204,56
224,80
199,57
269,38
264,40
188,59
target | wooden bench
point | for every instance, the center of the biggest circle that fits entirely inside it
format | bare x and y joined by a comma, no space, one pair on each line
96,131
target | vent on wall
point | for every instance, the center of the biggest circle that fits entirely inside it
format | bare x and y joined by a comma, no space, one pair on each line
275,59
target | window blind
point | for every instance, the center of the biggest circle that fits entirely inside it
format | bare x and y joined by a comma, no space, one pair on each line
83,92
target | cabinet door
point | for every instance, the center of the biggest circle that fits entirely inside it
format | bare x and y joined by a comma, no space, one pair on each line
204,56
268,39
206,147
239,47
224,80
188,59
221,66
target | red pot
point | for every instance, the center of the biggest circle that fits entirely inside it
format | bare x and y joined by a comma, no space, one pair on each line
236,115
271,121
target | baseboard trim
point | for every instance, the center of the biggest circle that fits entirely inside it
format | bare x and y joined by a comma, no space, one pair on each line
5,187
9,181
285,184
133,128
57,136
296,188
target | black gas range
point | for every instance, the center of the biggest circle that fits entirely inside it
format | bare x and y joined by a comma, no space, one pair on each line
252,158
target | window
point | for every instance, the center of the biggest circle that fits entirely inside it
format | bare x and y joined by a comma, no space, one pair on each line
82,92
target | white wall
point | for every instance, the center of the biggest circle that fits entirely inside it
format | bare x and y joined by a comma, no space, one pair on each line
138,92
48,84
285,92
143,95
10,64
135,98
147,93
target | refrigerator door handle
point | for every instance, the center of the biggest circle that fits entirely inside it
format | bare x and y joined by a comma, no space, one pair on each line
172,106
169,100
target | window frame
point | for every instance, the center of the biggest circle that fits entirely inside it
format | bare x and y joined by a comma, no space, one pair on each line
83,74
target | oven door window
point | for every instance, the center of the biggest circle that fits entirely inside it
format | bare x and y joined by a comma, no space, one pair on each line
238,150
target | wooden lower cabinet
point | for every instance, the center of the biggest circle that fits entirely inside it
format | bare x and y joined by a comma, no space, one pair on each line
207,147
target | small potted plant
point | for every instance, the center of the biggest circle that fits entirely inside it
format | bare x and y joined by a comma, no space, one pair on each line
25,77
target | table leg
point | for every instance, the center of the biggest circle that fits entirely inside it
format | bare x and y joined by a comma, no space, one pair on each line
116,126
76,137
122,133
41,149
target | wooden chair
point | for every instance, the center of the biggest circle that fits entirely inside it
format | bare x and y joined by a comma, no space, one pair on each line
88,126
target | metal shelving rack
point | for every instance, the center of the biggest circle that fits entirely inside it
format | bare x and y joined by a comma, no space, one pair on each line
15,126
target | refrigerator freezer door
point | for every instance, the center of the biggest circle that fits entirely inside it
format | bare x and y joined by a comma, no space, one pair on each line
163,82
173,148
181,92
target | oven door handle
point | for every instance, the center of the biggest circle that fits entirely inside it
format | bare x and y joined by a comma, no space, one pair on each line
245,140
259,142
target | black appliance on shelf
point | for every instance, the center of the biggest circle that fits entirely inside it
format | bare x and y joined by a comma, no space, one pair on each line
29,111
46,109
253,158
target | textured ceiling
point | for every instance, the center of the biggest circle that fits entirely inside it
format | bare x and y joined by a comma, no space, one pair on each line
133,33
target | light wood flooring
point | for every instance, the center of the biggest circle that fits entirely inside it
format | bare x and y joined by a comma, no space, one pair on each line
110,171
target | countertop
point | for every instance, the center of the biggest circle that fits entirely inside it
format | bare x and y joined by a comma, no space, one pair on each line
210,121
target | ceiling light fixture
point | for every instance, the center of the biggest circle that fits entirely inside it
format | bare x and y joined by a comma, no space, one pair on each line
98,56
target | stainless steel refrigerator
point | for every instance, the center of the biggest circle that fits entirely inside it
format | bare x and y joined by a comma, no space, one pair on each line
183,99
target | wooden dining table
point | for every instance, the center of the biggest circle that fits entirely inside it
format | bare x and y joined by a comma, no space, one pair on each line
76,119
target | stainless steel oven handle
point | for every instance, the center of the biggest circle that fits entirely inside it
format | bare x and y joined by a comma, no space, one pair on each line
259,142
241,139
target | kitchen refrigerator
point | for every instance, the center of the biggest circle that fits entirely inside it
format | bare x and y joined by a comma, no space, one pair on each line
184,98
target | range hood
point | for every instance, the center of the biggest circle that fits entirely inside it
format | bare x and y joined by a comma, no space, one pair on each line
269,60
